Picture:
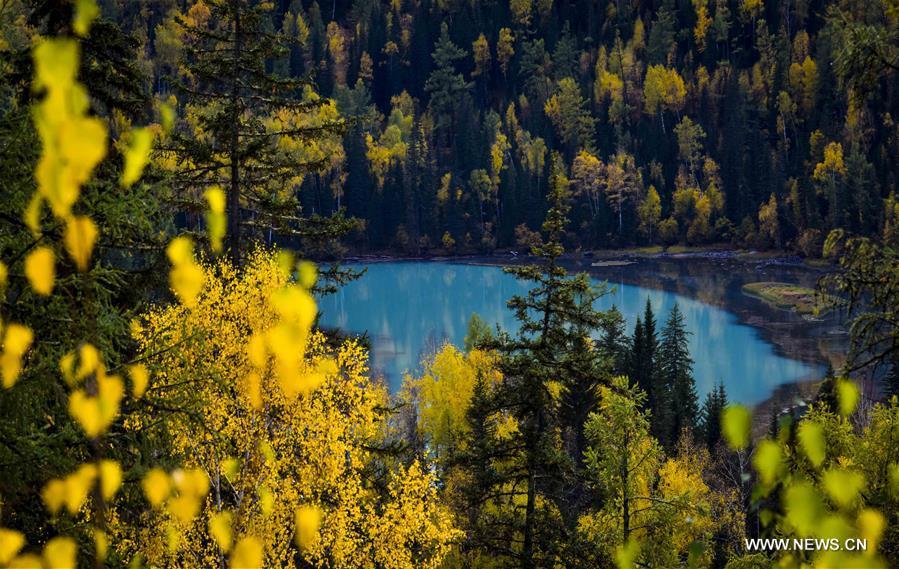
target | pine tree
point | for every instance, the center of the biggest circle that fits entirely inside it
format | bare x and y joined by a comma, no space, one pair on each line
709,426
250,131
675,370
613,340
551,372
446,86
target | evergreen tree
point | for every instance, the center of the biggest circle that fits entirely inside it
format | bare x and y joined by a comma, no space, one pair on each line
613,340
675,372
551,374
709,425
445,85
250,131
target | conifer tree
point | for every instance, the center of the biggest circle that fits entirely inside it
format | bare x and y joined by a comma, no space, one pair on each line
551,372
250,131
710,416
613,340
675,371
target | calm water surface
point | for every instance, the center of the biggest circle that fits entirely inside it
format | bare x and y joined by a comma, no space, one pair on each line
409,309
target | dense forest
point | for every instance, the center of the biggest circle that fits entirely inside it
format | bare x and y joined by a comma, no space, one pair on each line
171,173
679,121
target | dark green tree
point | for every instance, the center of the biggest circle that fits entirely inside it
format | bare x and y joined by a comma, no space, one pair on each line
551,373
253,127
709,424
613,341
675,374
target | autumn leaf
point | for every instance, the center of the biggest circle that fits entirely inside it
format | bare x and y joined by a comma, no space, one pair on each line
40,270
137,155
79,238
247,554
11,541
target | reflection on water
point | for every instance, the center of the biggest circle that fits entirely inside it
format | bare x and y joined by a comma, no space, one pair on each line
411,308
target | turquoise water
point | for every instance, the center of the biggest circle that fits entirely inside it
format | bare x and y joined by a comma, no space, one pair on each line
409,309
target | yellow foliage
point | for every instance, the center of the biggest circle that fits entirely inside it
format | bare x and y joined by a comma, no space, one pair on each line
110,478
308,522
16,341
294,451
60,553
73,144
95,413
832,165
247,554
40,269
79,238
185,278
215,217
140,377
137,155
11,541
157,486
445,391
220,529
86,11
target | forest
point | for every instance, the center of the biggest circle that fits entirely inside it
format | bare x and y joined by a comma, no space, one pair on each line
181,180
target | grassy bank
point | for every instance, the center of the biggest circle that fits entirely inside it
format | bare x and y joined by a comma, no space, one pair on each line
786,296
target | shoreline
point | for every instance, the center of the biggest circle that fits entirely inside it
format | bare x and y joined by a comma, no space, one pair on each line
715,277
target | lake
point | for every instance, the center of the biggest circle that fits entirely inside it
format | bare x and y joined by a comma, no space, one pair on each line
409,309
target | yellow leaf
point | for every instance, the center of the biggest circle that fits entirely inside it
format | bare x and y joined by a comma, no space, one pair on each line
80,237
67,367
40,270
3,274
308,521
266,500
220,529
27,561
871,524
185,508
735,423
140,377
32,215
231,468
848,396
247,554
16,341
137,155
307,274
56,63
157,486
86,11
11,541
254,389
89,361
215,217
803,507
185,278
180,251
811,439
54,495
166,116
767,461
96,414
60,552
110,478
101,544
843,486
78,485
83,145
626,555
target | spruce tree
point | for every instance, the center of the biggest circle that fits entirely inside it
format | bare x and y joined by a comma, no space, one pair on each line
709,426
248,130
551,373
613,341
675,372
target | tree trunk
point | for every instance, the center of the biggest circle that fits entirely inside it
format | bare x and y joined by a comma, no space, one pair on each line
234,153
